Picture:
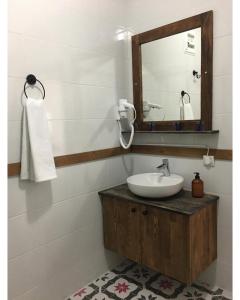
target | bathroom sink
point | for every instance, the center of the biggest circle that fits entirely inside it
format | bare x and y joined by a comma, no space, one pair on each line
155,185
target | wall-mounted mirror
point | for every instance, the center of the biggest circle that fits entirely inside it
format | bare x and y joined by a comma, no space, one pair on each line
172,75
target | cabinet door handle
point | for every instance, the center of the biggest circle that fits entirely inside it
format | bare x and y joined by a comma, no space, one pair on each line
145,212
133,210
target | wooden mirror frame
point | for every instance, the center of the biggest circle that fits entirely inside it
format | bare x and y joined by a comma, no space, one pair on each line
205,21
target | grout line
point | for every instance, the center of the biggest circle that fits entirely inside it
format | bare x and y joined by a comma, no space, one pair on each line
70,120
43,245
66,82
114,86
219,36
74,197
26,292
71,198
223,75
59,44
54,204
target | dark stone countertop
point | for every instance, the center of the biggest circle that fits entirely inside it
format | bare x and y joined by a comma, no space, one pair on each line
183,202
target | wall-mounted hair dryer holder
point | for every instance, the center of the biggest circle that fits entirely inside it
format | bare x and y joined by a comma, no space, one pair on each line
122,114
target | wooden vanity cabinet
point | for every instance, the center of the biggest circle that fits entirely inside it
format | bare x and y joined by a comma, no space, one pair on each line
177,245
122,223
164,242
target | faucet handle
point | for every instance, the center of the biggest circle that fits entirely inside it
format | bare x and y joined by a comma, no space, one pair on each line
165,161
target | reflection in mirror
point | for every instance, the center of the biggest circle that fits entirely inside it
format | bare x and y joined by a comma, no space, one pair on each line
171,77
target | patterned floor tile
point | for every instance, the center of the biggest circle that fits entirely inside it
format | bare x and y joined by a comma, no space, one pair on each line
104,278
164,286
192,293
121,287
130,281
140,273
124,267
147,295
85,293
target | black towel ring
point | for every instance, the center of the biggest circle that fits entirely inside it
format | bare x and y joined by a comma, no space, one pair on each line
183,93
31,80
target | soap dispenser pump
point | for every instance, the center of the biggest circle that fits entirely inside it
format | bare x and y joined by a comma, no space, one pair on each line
197,186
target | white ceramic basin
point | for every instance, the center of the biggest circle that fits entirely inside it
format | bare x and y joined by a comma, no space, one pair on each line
155,185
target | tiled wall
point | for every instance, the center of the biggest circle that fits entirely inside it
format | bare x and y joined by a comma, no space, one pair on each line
145,15
55,235
55,230
72,48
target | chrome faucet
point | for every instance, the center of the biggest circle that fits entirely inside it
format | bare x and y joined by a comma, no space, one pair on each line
165,167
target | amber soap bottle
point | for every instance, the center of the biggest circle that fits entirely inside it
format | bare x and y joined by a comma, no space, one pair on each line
197,186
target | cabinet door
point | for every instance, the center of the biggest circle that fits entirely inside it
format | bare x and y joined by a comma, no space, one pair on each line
121,220
164,242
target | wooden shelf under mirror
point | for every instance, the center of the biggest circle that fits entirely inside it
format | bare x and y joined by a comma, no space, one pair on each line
177,131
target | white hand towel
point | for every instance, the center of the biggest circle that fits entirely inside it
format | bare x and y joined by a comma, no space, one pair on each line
37,162
188,112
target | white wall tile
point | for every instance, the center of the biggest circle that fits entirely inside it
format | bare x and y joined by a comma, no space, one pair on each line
222,55
218,272
25,196
80,65
69,136
225,246
73,30
62,63
14,141
222,94
225,213
223,122
24,234
26,271
162,13
49,219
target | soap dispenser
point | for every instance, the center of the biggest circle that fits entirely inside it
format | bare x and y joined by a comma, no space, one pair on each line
197,186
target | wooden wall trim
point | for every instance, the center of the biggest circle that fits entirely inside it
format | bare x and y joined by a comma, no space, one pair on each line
222,154
71,159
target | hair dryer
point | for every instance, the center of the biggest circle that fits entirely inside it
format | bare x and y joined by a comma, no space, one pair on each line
123,108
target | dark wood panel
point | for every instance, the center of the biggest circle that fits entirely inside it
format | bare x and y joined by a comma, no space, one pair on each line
177,245
14,169
203,239
71,159
179,131
122,227
182,202
223,154
137,80
109,211
66,160
206,69
205,21
164,242
174,28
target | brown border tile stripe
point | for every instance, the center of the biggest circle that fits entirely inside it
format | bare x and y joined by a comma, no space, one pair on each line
222,154
71,159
